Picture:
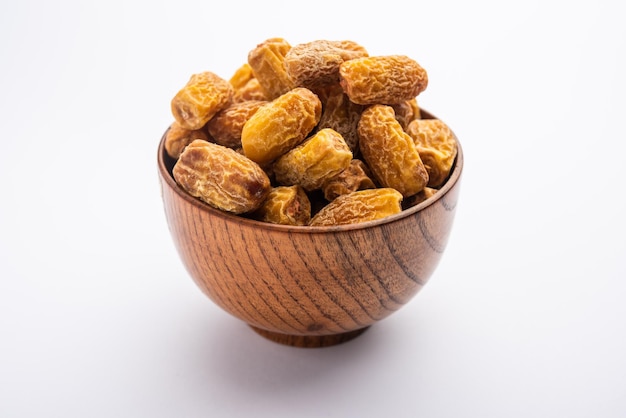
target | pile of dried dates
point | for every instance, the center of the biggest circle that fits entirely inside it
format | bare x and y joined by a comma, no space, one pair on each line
316,134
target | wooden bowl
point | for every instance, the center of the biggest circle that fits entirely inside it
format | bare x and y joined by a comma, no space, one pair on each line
309,286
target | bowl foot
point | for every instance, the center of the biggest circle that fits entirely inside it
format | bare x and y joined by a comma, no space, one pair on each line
309,341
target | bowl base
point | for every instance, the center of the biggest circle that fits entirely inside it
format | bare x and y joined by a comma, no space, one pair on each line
309,341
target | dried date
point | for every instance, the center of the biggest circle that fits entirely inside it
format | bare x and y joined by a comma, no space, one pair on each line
200,99
340,114
355,177
405,113
280,125
389,79
359,206
319,158
389,152
221,177
250,91
177,138
267,61
226,126
241,76
436,145
316,64
285,205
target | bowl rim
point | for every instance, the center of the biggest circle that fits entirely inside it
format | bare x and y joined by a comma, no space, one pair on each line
453,178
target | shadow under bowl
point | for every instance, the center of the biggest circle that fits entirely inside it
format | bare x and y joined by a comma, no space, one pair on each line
309,286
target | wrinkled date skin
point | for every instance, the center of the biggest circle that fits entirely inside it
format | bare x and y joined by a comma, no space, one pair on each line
322,156
285,205
267,61
241,76
355,177
221,177
388,79
250,91
280,125
437,147
389,152
359,206
200,99
406,112
316,64
177,138
340,114
226,126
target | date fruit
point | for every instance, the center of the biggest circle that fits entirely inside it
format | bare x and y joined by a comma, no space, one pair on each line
436,146
316,64
221,177
355,177
319,158
280,125
267,61
340,114
285,205
177,138
200,99
388,79
389,152
226,126
359,206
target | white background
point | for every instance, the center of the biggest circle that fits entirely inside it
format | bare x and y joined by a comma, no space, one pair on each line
525,316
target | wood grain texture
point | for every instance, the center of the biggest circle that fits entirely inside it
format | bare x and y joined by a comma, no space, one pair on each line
309,286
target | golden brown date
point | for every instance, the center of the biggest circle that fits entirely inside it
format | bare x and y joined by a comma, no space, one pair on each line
310,164
355,177
316,64
250,91
177,138
405,113
389,152
280,125
267,61
226,126
285,205
359,206
241,76
200,99
340,114
221,177
436,146
388,79
417,113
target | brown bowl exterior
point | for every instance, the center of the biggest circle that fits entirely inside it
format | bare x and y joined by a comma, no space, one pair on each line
299,281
